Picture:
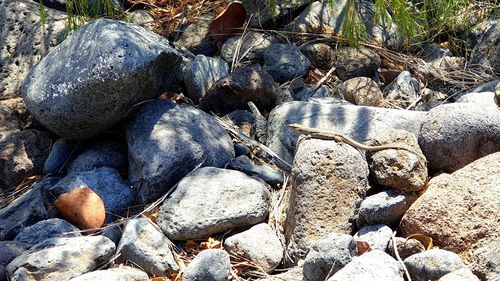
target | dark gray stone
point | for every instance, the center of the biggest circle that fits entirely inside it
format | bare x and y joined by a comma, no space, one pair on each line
42,230
432,264
166,141
244,164
114,233
201,74
59,154
121,273
385,207
434,51
195,38
106,154
328,255
144,245
105,182
61,258
285,62
354,62
211,200
486,53
403,90
251,47
91,81
208,265
9,250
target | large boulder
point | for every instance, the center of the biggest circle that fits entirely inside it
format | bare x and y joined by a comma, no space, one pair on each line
166,141
92,79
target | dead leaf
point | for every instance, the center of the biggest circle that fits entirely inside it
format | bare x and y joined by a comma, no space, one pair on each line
27,181
82,207
228,23
424,239
363,247
211,244
191,244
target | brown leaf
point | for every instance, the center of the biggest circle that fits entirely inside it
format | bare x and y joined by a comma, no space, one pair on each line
81,207
228,23
424,239
363,247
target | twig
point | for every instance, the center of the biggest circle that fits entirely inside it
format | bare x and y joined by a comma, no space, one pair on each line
396,253
318,84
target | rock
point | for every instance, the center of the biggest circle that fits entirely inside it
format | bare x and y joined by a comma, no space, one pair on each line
406,247
201,74
9,250
82,207
386,33
355,62
208,265
195,38
319,17
240,150
210,200
358,122
362,91
463,274
106,182
55,4
481,98
432,264
486,52
264,15
45,229
25,41
142,18
121,273
484,259
399,169
329,181
22,154
61,258
144,245
258,244
328,255
293,274
238,88
434,51
403,90
458,210
251,48
104,154
113,233
9,121
285,62
166,141
59,154
374,265
454,135
385,207
93,80
244,164
377,236
320,55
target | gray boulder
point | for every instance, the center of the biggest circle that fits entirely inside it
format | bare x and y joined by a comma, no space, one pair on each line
377,236
208,265
432,264
59,154
285,62
42,230
105,154
166,141
211,200
121,273
61,258
328,255
201,74
144,245
9,250
91,81
385,207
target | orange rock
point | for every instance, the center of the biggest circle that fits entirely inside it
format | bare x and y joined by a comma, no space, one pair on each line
82,207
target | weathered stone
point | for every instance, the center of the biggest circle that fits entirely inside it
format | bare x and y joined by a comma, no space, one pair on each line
406,247
328,255
61,258
144,245
355,62
434,51
484,259
362,91
486,53
142,18
208,265
432,264
285,62
329,181
210,200
166,141
258,244
403,90
45,229
121,273
377,236
460,209
386,33
92,80
59,154
244,164
104,154
201,74
293,274
320,55
481,98
320,17
9,122
9,250
463,274
252,47
195,38
385,207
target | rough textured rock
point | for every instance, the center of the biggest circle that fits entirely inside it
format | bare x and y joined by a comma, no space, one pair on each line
293,274
463,274
195,38
244,164
406,247
362,91
378,236
144,245
9,250
106,182
9,120
358,122
201,74
258,244
121,273
104,154
403,90
432,264
318,17
166,141
484,259
211,200
385,207
458,210
486,53
42,230
238,88
142,18
482,98
454,135
434,51
385,33
22,154
91,80
61,258
328,255
374,265
399,169
329,181
320,55
261,13
208,265
25,41
355,62
59,154
252,47
285,62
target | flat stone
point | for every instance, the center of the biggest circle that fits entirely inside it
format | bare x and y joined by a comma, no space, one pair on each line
144,245
208,265
210,200
482,98
121,273
384,207
432,264
45,229
201,74
377,236
285,62
166,141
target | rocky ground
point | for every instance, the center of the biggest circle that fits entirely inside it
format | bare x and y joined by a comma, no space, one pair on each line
128,156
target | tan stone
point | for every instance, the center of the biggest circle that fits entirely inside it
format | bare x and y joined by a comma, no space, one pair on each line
362,91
